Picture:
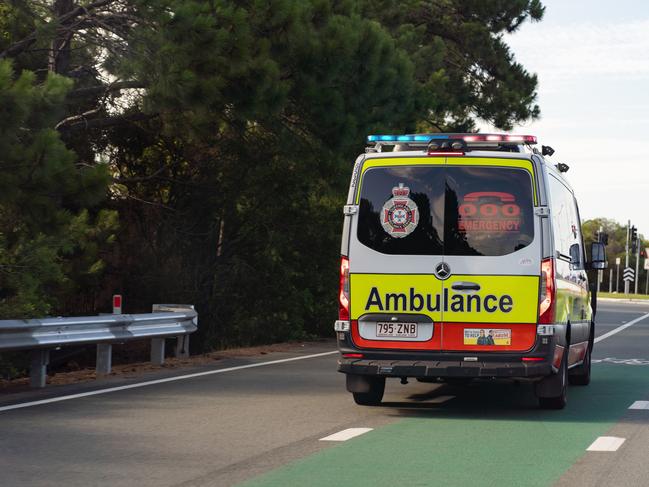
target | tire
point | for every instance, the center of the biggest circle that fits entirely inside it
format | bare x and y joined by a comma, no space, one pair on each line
580,375
374,396
559,401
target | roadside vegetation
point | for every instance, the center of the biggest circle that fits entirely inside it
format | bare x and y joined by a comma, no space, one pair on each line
199,151
616,249
621,295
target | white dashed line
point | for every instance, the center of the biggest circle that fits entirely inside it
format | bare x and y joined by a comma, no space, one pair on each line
640,405
620,328
606,443
347,434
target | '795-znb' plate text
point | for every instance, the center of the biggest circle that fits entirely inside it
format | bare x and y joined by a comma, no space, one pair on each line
396,330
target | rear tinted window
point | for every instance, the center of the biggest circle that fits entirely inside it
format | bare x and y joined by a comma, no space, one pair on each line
489,210
424,202
450,210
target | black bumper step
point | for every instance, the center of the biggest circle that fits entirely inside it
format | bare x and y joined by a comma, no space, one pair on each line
400,368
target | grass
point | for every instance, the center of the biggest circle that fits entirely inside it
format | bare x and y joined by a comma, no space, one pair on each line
623,296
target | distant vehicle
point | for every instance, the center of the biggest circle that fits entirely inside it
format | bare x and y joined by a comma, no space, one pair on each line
462,258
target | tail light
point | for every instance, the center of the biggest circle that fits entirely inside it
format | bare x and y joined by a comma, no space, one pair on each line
547,292
352,355
343,296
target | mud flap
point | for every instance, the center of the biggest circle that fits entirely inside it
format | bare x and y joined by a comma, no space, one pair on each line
359,383
553,385
550,386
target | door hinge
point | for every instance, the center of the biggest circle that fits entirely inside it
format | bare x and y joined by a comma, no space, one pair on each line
542,211
349,210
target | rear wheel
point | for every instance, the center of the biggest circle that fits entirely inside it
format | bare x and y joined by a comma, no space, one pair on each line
558,382
374,396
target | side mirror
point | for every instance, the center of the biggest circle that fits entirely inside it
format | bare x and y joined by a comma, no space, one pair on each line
598,256
575,256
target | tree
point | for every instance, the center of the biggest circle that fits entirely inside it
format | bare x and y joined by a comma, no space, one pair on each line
44,197
229,128
616,248
463,68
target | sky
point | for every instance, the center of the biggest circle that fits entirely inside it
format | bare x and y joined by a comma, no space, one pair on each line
592,61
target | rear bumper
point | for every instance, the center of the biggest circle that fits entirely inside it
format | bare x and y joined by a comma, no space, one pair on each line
442,369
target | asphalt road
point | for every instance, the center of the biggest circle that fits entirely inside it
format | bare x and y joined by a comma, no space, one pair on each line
262,426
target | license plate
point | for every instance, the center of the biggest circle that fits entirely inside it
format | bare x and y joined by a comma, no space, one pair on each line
396,330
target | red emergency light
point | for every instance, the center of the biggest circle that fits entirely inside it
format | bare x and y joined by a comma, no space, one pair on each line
520,139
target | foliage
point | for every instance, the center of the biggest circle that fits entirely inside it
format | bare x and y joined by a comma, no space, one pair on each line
43,197
616,248
229,128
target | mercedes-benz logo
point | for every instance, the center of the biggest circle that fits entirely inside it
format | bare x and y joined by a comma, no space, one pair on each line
442,270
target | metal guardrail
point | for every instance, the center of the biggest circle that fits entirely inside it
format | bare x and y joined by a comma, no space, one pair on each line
42,335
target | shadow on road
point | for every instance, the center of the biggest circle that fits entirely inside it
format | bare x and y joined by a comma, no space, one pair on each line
612,390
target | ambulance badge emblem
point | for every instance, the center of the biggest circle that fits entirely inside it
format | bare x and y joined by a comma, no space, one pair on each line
400,214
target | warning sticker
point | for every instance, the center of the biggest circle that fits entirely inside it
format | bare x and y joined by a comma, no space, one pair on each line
487,336
489,212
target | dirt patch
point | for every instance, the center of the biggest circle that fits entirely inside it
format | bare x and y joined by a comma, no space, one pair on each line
75,374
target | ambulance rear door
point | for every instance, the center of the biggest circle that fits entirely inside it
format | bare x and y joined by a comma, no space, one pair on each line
492,247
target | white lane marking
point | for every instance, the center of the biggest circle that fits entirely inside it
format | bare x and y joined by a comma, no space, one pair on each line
640,405
159,381
621,361
606,443
620,328
347,434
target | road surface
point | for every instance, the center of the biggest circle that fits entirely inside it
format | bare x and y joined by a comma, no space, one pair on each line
260,422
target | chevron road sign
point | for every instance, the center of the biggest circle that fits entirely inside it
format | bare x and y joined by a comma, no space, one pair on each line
629,274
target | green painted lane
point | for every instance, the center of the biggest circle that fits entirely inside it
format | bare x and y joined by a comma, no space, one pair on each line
489,435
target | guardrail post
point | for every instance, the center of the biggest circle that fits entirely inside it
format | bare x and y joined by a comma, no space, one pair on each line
38,369
182,346
158,351
104,361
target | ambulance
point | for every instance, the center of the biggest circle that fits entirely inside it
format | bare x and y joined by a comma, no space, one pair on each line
463,258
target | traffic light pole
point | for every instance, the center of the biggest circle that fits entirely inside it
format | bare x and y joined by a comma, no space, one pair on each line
637,265
600,271
626,264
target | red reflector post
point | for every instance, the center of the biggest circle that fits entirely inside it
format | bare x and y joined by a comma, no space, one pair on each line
117,304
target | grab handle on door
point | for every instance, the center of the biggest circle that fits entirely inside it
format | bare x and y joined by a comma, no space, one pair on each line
465,286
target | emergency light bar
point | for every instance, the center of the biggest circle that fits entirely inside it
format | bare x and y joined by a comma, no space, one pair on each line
424,139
